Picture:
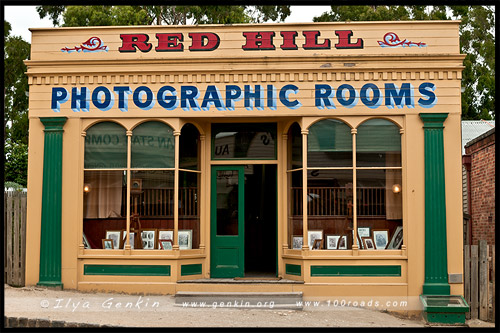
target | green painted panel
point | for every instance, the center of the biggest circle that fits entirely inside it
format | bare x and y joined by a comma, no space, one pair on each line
436,265
293,269
50,237
192,269
146,270
444,318
349,270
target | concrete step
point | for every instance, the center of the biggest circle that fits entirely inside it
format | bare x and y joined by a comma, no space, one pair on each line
243,300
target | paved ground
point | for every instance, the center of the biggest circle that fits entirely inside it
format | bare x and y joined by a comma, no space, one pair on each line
159,311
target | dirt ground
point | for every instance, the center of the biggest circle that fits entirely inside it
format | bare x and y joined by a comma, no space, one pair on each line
159,311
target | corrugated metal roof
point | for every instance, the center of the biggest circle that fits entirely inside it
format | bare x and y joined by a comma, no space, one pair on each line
471,129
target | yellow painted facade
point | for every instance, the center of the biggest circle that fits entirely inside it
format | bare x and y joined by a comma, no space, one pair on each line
438,62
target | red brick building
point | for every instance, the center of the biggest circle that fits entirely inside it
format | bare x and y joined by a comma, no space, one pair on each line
479,161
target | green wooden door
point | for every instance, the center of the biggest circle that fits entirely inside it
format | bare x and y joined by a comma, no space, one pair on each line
227,252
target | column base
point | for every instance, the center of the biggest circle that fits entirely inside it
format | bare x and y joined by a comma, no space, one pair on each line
436,289
56,285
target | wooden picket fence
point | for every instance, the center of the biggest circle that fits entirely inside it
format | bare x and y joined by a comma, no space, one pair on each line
14,237
479,282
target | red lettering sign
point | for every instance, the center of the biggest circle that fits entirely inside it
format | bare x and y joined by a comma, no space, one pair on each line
259,41
169,42
131,41
204,41
345,40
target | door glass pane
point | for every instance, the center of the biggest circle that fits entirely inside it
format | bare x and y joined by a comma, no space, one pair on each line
244,141
227,202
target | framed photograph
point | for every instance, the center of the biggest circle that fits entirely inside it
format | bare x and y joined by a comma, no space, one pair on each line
165,244
368,243
107,244
297,242
317,244
166,234
116,236
86,244
397,239
332,242
364,232
380,238
185,238
149,240
312,235
135,185
124,238
342,243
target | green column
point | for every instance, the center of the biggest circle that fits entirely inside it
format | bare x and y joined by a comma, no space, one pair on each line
436,262
50,239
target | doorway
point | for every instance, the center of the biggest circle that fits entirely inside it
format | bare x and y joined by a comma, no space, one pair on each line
244,221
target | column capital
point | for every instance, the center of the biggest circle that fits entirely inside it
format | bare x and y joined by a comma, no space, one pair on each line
53,123
433,120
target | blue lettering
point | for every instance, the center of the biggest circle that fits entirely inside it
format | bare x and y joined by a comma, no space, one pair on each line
427,89
212,95
59,96
168,102
285,92
138,97
257,96
97,98
368,89
233,94
353,96
80,99
123,93
189,94
323,96
394,96
271,97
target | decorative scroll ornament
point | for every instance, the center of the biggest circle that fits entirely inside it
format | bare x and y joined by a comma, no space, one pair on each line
94,44
392,40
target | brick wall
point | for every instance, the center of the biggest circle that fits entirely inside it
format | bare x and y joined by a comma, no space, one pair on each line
482,187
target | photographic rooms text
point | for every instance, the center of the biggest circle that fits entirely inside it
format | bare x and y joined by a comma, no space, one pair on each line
260,97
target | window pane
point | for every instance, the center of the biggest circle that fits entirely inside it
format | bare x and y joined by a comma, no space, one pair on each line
227,202
329,196
104,207
105,146
295,147
152,193
152,200
189,212
379,206
329,144
189,147
378,144
295,209
152,146
244,141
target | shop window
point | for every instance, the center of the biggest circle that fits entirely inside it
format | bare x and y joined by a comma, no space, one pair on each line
152,186
379,184
294,179
189,185
372,209
329,189
244,141
105,184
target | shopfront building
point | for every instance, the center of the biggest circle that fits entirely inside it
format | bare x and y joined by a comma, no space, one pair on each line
325,153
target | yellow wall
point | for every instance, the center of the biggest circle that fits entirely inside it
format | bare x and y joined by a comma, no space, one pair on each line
439,62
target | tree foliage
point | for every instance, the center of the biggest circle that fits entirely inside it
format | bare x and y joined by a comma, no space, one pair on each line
72,16
16,50
477,41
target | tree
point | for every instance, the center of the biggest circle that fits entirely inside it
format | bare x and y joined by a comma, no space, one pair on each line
170,15
16,50
477,41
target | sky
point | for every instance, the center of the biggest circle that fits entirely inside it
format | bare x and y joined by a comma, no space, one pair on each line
23,17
